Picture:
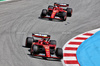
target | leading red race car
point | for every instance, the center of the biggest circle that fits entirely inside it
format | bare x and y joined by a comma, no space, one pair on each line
41,45
56,11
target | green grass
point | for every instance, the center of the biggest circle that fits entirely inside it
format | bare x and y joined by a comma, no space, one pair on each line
2,0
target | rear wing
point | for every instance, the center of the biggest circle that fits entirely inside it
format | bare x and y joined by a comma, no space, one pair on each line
41,35
61,4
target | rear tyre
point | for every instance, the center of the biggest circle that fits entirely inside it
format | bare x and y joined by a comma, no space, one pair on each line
50,9
55,3
53,42
29,41
64,16
59,53
69,12
44,13
50,6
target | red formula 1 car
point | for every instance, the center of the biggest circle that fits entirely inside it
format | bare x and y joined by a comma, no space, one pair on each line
56,11
41,45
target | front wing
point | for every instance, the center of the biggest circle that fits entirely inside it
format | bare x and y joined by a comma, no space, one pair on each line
43,55
53,18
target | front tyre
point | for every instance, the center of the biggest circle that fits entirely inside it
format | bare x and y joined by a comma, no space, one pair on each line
34,49
69,12
44,13
64,16
59,52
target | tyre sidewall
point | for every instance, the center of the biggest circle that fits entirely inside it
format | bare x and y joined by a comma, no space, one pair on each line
53,42
59,53
64,16
35,49
69,12
29,41
44,12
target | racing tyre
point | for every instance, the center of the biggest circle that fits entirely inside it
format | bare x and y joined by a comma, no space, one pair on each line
35,49
50,6
44,12
55,3
69,12
53,42
64,16
29,41
50,11
59,52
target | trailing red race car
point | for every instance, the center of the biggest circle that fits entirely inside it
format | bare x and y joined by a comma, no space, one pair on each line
57,11
41,45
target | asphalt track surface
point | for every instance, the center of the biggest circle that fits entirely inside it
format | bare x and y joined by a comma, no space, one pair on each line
20,18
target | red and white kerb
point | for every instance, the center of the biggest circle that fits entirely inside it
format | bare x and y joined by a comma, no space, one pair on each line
70,48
